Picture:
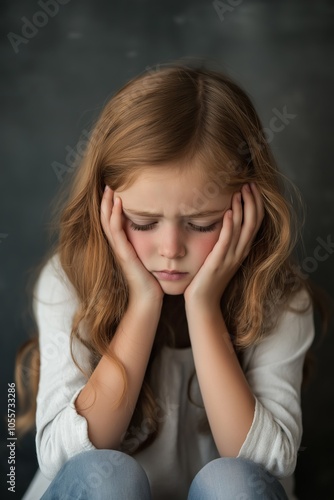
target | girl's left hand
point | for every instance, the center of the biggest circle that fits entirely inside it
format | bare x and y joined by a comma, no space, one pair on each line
239,229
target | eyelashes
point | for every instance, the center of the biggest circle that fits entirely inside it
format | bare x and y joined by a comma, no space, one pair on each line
193,227
203,229
138,227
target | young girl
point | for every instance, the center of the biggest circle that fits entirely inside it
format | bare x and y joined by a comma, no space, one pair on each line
173,324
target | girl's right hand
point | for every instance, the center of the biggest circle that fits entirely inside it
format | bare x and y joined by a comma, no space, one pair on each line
142,284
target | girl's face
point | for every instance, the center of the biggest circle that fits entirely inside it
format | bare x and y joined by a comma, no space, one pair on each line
172,223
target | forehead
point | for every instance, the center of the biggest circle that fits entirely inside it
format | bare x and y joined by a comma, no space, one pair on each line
173,190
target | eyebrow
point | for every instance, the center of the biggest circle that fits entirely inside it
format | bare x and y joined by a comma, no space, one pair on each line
195,214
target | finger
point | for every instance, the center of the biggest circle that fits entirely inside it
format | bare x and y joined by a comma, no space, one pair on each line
226,234
259,204
237,218
106,209
249,225
119,238
116,223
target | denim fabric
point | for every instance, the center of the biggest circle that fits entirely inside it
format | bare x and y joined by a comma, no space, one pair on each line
235,479
113,475
100,475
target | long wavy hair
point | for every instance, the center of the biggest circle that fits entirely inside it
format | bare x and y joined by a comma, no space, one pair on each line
187,115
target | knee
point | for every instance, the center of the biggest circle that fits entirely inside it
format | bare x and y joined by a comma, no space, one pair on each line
227,467
235,479
98,457
96,471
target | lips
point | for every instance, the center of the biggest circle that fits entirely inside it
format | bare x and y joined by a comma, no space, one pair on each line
170,275
170,272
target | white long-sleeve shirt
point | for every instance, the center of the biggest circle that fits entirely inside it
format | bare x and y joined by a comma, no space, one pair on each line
273,369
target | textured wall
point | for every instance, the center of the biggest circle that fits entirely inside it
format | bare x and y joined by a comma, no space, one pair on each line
58,69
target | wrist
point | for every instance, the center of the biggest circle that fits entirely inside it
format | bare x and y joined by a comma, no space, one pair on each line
143,303
201,300
202,305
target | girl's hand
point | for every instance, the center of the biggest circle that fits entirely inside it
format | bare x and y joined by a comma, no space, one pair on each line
235,240
142,284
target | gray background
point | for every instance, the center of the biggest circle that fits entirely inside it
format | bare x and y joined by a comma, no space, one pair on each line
55,84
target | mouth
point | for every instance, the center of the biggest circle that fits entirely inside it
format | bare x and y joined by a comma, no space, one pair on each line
169,275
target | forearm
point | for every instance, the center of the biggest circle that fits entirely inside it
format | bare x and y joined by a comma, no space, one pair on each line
131,344
227,398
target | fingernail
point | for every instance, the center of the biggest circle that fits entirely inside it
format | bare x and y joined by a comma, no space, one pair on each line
239,196
246,186
106,188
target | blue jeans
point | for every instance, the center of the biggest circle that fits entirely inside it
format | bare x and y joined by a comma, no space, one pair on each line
113,475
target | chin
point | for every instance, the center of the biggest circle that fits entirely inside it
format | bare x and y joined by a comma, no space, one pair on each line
173,288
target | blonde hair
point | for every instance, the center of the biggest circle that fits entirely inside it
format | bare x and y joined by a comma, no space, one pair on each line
195,117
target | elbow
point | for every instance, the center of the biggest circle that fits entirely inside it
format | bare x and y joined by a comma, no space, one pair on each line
46,458
51,455
287,446
287,465
284,460
279,458
59,439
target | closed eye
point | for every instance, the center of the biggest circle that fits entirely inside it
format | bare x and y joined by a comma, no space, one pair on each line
203,229
138,227
193,227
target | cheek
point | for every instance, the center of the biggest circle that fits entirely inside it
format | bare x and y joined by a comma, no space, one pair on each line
204,245
141,242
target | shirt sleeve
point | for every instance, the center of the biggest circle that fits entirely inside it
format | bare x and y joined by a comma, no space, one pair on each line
60,431
274,371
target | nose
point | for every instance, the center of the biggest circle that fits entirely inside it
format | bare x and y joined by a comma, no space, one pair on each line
172,244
